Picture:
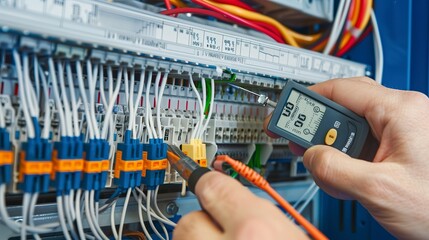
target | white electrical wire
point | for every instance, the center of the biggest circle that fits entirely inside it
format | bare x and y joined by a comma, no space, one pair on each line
46,228
127,93
33,202
78,217
139,95
149,217
61,217
183,190
210,113
204,102
152,213
147,106
161,220
71,204
36,76
94,82
306,193
156,86
155,201
29,92
159,102
88,216
111,120
74,104
2,117
378,48
198,126
102,88
112,100
25,203
97,206
60,111
132,116
139,202
67,210
91,87
94,216
84,100
47,117
28,120
67,111
112,220
124,213
340,19
308,200
155,99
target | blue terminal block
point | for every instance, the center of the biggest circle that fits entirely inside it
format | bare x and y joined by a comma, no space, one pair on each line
68,164
96,164
129,162
6,157
35,165
155,163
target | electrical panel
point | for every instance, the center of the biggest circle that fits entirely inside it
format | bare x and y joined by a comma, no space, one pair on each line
106,82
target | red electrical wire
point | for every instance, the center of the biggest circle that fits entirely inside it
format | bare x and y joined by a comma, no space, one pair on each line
167,4
359,21
237,3
353,40
239,20
197,11
351,44
206,12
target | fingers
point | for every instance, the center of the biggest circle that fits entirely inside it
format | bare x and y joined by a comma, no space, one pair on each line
356,94
197,225
363,96
338,174
226,200
296,149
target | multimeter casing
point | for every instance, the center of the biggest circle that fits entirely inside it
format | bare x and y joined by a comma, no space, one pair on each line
350,129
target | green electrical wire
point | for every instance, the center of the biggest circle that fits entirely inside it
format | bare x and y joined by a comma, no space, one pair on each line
209,97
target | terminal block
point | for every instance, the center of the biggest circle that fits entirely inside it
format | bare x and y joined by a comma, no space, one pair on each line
196,150
68,163
155,163
96,164
6,157
129,162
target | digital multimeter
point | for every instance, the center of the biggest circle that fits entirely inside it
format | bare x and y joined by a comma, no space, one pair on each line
307,118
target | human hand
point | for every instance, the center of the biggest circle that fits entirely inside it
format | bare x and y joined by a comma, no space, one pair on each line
394,186
233,212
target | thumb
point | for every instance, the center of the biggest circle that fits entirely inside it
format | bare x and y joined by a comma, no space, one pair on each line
337,173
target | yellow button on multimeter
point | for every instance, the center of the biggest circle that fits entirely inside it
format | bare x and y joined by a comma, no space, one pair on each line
331,136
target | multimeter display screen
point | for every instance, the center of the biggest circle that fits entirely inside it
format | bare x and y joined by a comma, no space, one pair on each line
301,115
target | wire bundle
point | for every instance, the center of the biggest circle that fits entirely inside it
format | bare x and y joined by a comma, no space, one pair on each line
348,29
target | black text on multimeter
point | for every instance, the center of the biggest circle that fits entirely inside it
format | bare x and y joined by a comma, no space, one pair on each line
307,118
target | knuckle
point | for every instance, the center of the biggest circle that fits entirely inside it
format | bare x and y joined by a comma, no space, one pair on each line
416,98
368,80
186,225
219,192
320,166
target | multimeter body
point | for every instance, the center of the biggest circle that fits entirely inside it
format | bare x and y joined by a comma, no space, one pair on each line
307,118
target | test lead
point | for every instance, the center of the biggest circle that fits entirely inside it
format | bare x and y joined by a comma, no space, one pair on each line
262,99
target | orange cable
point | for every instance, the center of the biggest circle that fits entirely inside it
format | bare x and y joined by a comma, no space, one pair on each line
255,178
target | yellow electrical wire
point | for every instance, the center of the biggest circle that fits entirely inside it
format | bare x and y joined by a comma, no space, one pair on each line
178,3
355,16
290,36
